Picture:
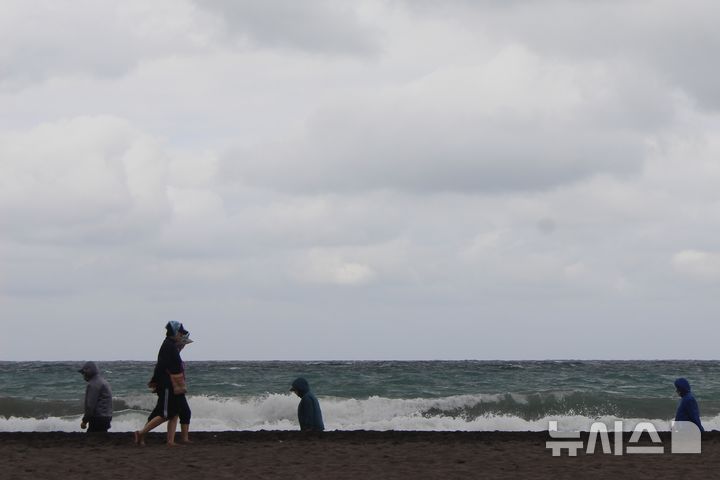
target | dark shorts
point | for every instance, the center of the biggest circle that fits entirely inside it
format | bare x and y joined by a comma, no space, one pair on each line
167,404
99,424
184,410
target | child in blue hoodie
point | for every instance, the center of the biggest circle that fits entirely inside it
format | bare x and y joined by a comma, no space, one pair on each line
688,410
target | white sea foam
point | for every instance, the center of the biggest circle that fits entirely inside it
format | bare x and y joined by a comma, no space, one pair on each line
279,412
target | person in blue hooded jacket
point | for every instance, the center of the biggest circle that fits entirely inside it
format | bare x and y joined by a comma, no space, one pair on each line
309,414
688,410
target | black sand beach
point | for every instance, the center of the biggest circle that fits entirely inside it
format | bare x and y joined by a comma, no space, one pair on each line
332,455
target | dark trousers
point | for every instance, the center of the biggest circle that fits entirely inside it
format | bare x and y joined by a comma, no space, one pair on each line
99,424
184,408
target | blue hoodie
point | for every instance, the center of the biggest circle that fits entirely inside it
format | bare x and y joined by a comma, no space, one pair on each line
688,410
309,414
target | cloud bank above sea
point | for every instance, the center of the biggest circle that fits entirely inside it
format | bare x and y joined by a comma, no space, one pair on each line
400,179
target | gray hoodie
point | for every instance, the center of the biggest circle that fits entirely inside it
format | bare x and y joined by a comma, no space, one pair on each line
98,396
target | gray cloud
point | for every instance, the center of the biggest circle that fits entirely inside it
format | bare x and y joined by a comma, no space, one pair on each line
371,154
514,123
472,167
40,40
676,40
322,26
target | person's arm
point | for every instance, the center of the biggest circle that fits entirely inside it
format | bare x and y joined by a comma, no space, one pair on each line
83,422
92,392
693,413
305,414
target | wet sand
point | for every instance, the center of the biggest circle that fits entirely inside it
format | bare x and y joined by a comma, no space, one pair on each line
332,455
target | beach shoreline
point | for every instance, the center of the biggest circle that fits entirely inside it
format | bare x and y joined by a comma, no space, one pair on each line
332,455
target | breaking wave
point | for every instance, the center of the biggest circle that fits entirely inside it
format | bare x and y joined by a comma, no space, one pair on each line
482,412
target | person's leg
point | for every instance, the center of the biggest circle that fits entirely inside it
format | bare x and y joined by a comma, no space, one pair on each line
92,425
98,424
161,415
185,433
140,434
172,427
185,414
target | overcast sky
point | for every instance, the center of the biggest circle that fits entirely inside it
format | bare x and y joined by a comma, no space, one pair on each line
371,179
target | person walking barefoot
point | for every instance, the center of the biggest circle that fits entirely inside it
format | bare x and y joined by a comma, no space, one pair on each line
170,384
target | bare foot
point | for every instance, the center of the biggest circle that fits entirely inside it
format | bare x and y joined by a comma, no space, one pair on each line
185,441
139,438
173,444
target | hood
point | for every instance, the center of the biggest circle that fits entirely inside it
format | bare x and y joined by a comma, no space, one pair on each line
683,386
173,327
89,370
301,386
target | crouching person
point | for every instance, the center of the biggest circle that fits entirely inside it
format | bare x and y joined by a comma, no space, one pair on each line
687,410
309,414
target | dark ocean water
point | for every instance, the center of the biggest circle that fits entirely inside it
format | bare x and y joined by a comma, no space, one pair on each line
433,395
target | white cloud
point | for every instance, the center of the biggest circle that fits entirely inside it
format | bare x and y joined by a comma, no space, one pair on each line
331,267
42,39
83,178
672,39
699,264
515,122
195,204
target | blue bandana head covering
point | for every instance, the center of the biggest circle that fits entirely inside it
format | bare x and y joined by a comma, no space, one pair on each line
173,327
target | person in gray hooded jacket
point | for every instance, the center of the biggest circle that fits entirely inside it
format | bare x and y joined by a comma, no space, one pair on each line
98,400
